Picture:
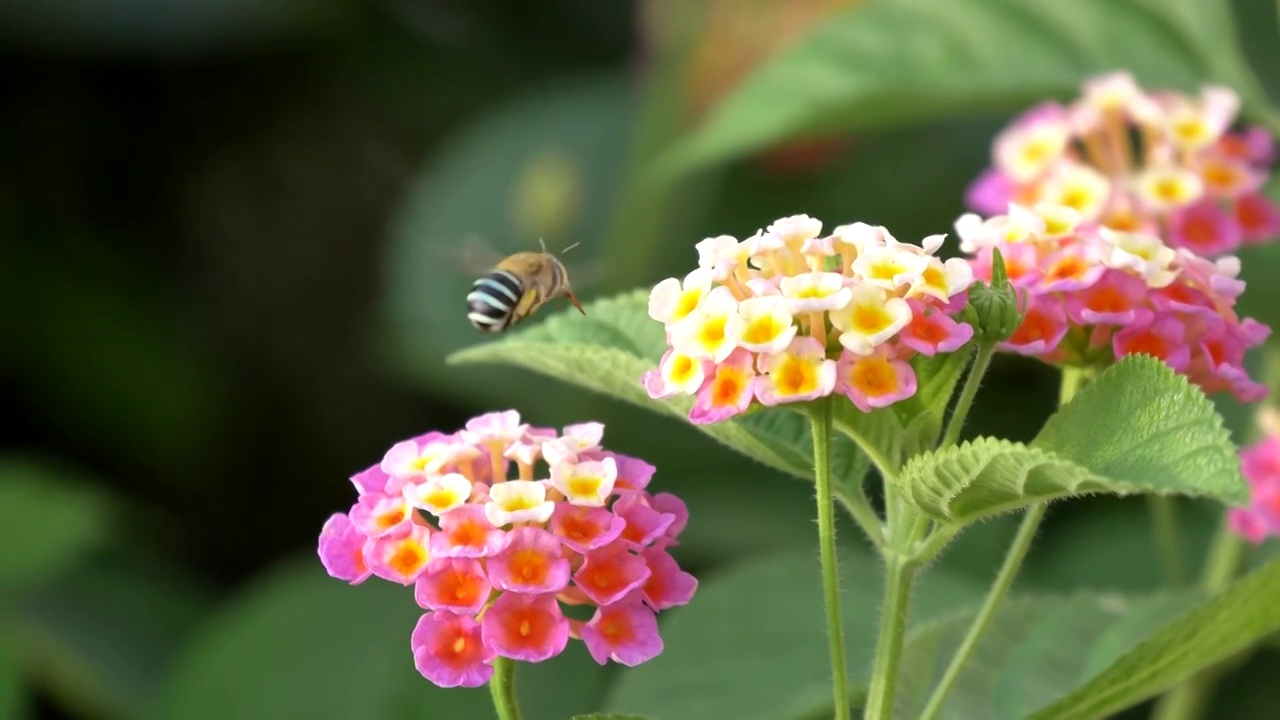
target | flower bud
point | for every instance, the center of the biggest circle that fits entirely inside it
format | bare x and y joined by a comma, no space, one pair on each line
993,308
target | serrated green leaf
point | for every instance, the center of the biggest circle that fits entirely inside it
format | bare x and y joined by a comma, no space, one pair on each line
889,62
48,518
611,349
1141,422
1039,648
1138,428
1234,619
986,476
752,644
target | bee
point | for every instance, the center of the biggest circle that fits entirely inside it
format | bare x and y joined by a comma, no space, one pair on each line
516,287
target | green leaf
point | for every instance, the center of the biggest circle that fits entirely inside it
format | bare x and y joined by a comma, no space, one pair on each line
13,696
1137,428
1037,650
301,644
94,647
1141,422
1231,621
751,645
48,519
611,349
887,62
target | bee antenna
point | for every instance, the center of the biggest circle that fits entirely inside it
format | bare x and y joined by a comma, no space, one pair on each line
570,248
543,243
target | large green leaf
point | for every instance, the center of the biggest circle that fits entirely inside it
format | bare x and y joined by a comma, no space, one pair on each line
1137,428
1037,650
1139,421
1234,619
610,349
48,519
891,61
301,644
751,646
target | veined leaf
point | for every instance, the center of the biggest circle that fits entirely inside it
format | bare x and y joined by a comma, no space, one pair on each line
1038,649
1141,421
1137,428
887,62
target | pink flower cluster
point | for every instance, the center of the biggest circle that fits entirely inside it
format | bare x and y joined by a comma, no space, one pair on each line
493,559
1260,464
790,315
1160,163
1091,295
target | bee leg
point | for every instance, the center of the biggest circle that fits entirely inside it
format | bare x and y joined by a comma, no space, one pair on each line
574,299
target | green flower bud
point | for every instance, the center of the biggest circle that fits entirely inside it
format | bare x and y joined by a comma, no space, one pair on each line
993,308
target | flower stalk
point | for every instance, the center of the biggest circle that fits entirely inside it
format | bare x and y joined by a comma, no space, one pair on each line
821,429
502,686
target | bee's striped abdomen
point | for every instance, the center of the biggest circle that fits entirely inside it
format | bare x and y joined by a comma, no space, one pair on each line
492,299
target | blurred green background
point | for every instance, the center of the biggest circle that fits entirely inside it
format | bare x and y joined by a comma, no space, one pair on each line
230,232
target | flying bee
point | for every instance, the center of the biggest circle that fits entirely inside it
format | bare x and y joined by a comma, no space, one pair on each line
516,287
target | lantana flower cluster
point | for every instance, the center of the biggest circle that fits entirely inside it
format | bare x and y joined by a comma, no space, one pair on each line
495,560
1260,465
1091,295
790,315
1161,163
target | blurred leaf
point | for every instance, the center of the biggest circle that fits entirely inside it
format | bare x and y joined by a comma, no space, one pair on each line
1067,549
751,645
301,644
609,716
479,187
610,349
1232,620
153,27
1140,419
1037,650
13,695
102,636
1137,428
892,61
48,519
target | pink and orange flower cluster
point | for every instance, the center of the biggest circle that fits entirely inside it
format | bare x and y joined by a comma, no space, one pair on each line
493,559
1091,295
1260,464
1160,163
790,315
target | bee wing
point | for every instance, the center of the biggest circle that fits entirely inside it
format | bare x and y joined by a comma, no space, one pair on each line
471,256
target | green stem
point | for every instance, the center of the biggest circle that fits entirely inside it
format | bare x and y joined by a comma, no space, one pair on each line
1072,380
1168,538
899,573
970,391
1187,701
503,688
1004,580
854,501
821,430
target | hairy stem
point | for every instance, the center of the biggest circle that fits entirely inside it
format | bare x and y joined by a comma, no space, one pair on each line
1072,379
821,430
503,688
899,574
970,391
